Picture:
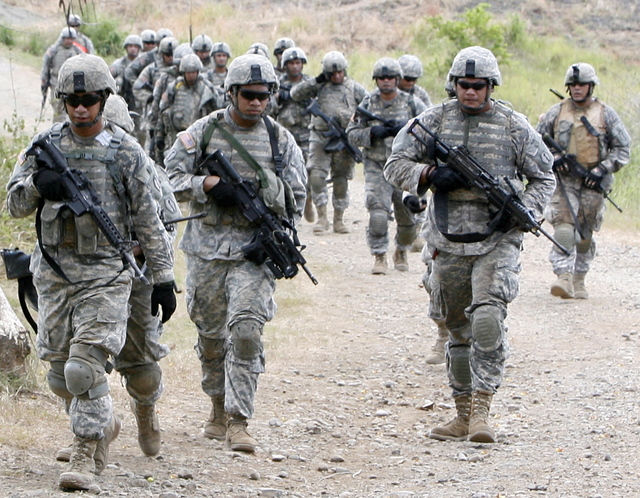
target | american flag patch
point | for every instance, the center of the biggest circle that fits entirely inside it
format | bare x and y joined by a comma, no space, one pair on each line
187,141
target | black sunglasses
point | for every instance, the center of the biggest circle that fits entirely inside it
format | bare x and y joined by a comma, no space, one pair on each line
465,85
86,100
251,95
409,78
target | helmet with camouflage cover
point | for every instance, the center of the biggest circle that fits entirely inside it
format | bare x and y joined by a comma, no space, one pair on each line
168,45
149,36
293,53
334,61
74,21
410,65
581,73
180,51
221,47
386,67
473,62
282,44
132,40
117,111
85,73
202,43
259,48
163,33
68,33
190,63
251,69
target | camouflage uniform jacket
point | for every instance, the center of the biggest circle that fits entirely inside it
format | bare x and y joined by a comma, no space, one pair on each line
400,109
217,80
290,113
53,59
84,43
224,231
124,87
133,70
421,93
75,242
337,101
502,141
609,149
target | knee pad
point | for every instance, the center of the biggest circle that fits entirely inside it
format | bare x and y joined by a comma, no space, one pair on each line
340,187
143,380
583,246
210,349
247,339
378,220
458,363
84,372
405,235
565,234
317,180
55,378
486,327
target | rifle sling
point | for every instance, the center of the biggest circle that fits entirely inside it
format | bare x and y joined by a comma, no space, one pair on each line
23,284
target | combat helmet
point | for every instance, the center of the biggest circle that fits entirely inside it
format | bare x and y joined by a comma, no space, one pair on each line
473,62
149,36
68,33
293,53
168,45
74,21
163,33
250,69
259,48
180,51
282,44
386,67
190,63
117,111
333,61
202,43
85,73
581,73
132,40
221,47
410,65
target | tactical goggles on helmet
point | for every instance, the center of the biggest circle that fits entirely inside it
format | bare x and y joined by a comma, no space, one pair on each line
251,95
479,85
86,100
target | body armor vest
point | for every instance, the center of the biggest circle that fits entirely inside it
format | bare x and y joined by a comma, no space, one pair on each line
337,101
575,136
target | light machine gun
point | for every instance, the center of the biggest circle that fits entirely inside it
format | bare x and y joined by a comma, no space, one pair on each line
338,137
82,198
460,160
271,245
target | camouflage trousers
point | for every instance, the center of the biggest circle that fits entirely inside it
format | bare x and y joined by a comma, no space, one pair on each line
321,164
382,200
437,314
92,313
473,292
229,302
589,208
138,360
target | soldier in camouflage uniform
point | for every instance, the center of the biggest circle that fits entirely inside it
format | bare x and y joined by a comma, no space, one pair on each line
202,47
186,99
381,198
411,71
82,41
82,282
54,57
291,114
230,298
592,131
221,53
280,46
149,41
475,250
338,96
132,45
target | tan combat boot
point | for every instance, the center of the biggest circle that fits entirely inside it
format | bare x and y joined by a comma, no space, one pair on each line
417,245
458,428
323,222
579,290
437,351
309,210
101,455
338,223
400,261
64,454
216,426
479,429
380,265
563,287
148,427
238,437
80,473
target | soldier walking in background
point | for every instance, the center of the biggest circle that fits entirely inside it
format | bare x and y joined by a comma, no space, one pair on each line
411,71
202,47
82,41
592,132
280,46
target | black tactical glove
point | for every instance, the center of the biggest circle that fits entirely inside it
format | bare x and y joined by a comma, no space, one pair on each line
395,127
283,95
49,184
322,78
163,297
560,164
379,131
445,179
506,223
414,204
159,143
594,178
149,99
223,194
44,89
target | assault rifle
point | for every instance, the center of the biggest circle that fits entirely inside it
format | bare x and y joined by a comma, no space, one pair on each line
460,160
271,244
338,138
576,169
368,114
82,198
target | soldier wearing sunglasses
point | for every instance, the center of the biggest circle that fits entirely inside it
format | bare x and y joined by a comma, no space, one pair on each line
474,250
